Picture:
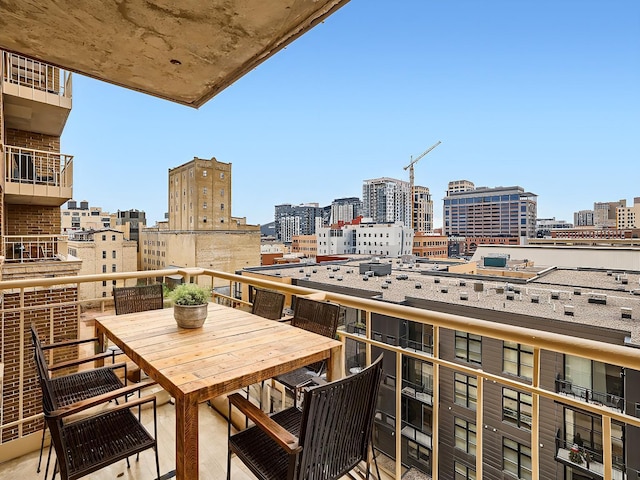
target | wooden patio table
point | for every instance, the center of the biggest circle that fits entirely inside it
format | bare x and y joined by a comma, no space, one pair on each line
232,350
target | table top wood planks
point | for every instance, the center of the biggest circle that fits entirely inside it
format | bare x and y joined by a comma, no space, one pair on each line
232,350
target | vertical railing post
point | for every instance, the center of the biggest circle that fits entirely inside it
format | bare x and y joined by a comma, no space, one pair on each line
435,404
479,423
535,417
398,414
607,454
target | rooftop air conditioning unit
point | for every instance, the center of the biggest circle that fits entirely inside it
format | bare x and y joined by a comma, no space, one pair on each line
569,310
625,312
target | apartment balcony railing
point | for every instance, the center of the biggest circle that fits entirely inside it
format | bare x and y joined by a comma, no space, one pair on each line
600,398
588,459
18,307
422,393
31,248
28,74
45,177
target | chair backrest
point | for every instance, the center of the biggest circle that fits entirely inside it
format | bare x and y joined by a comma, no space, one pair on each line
337,418
138,299
268,304
48,398
317,317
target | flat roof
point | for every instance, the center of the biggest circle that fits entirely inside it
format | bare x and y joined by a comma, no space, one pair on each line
186,52
572,287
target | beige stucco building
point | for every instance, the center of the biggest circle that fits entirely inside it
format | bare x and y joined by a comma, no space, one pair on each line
200,231
83,217
628,217
102,251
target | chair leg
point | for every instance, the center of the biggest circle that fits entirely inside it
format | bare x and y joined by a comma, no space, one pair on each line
228,443
44,429
46,468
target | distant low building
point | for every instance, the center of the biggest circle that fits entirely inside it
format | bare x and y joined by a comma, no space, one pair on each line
430,246
83,217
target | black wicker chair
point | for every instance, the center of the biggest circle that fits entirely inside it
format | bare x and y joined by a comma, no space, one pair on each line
75,387
138,299
318,317
133,300
88,444
325,440
268,304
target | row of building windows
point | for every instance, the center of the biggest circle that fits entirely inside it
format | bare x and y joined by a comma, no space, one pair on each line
104,254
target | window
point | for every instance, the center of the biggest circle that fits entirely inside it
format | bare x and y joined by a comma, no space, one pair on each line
104,254
462,472
516,408
204,219
466,390
204,205
469,347
113,282
204,173
516,459
517,359
113,268
204,190
113,254
104,283
222,206
104,269
465,434
221,175
104,238
113,238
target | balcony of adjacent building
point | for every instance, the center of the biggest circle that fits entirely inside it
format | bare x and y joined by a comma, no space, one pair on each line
37,177
36,95
415,429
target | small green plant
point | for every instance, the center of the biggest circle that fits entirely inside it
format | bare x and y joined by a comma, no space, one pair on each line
190,294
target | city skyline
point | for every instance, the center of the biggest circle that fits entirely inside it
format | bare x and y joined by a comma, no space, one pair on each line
536,94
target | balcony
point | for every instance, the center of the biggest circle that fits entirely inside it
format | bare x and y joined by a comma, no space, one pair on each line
34,248
37,96
37,177
588,395
54,302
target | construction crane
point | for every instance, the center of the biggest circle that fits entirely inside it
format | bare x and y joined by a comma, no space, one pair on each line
410,167
414,161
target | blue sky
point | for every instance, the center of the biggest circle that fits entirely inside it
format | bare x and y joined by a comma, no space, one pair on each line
544,94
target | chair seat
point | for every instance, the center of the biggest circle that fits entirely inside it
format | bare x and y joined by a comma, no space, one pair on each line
85,384
260,452
297,379
95,442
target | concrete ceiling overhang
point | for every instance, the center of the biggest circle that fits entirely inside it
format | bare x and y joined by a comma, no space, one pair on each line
186,51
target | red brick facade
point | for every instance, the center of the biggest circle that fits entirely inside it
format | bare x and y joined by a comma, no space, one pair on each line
65,327
32,220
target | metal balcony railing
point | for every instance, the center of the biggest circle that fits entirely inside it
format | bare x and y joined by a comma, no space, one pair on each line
19,307
37,167
30,248
29,73
600,398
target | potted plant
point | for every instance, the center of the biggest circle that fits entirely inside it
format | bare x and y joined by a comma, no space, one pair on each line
190,305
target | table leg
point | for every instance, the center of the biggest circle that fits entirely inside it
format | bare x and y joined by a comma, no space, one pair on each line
335,367
186,438
99,348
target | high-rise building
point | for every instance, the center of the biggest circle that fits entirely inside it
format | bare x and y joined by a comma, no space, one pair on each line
604,213
422,210
490,212
583,218
345,209
457,186
628,217
293,220
387,200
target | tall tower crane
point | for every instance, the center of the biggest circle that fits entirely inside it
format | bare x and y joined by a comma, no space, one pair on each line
410,167
414,161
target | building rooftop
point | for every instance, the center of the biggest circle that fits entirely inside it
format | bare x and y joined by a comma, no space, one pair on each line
187,52
555,289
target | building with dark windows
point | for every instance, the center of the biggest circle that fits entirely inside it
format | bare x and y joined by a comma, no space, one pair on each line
133,220
387,200
490,212
591,303
293,220
345,210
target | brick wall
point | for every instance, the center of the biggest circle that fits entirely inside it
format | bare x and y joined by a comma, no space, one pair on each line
65,327
32,220
37,141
